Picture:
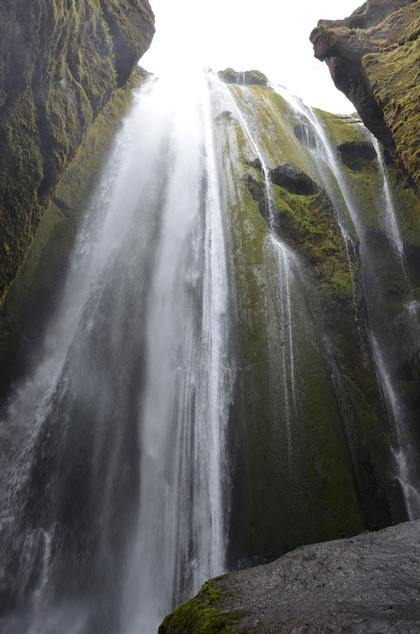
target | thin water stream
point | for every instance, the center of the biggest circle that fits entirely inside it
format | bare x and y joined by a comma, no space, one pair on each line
333,178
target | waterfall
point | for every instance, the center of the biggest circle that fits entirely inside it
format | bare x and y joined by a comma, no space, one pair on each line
282,280
333,178
186,410
389,212
116,488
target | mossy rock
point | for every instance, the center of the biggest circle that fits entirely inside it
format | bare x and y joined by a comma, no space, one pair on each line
55,78
204,614
35,286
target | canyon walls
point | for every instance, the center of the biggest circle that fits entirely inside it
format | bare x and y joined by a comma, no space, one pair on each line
60,64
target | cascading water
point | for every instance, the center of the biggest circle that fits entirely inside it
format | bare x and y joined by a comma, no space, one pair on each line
185,411
114,508
403,445
389,212
282,282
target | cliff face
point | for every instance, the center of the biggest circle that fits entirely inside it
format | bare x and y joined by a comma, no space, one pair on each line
374,58
60,63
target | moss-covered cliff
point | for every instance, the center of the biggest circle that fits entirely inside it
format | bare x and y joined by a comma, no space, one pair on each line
326,474
39,279
374,58
325,468
60,63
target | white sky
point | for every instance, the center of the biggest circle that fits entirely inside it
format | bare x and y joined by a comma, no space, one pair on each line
270,35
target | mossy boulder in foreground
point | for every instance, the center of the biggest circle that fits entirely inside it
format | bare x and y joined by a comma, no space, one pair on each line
365,584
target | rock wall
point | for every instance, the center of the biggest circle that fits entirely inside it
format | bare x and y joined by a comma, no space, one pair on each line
349,292
34,289
60,63
374,59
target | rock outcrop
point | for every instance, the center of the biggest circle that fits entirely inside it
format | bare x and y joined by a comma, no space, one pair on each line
60,63
245,78
355,154
293,179
368,583
374,58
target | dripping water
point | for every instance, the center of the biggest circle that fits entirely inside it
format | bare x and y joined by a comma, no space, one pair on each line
332,175
282,282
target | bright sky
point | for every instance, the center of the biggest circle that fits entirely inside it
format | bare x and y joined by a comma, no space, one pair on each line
270,35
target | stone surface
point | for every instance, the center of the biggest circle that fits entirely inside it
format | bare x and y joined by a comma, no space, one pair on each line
374,57
60,63
355,154
368,584
292,179
246,78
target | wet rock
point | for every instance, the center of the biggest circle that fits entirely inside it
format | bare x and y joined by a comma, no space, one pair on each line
224,116
256,164
292,179
60,64
368,584
355,154
305,134
246,78
373,57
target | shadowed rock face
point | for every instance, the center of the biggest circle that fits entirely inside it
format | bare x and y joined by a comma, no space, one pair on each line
373,57
367,584
355,154
292,179
59,64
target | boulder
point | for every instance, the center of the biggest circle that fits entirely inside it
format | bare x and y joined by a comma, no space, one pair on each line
368,584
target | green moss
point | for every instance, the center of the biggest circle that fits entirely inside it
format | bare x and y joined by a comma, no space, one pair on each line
394,79
341,128
45,261
67,70
203,615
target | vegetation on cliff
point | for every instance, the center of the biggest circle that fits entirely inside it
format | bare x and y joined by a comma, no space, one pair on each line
38,280
60,64
374,58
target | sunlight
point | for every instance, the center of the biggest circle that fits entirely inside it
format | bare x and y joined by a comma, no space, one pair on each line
273,38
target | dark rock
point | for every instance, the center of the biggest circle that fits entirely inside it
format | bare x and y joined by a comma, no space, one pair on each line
292,179
355,154
246,78
373,57
305,134
226,115
368,584
256,164
60,63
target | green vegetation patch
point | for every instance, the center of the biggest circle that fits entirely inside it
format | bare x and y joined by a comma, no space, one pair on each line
204,615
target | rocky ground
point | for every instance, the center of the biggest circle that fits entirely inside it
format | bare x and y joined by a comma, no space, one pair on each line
366,584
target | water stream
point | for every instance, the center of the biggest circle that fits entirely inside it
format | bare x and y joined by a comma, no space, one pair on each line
333,178
181,364
118,432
